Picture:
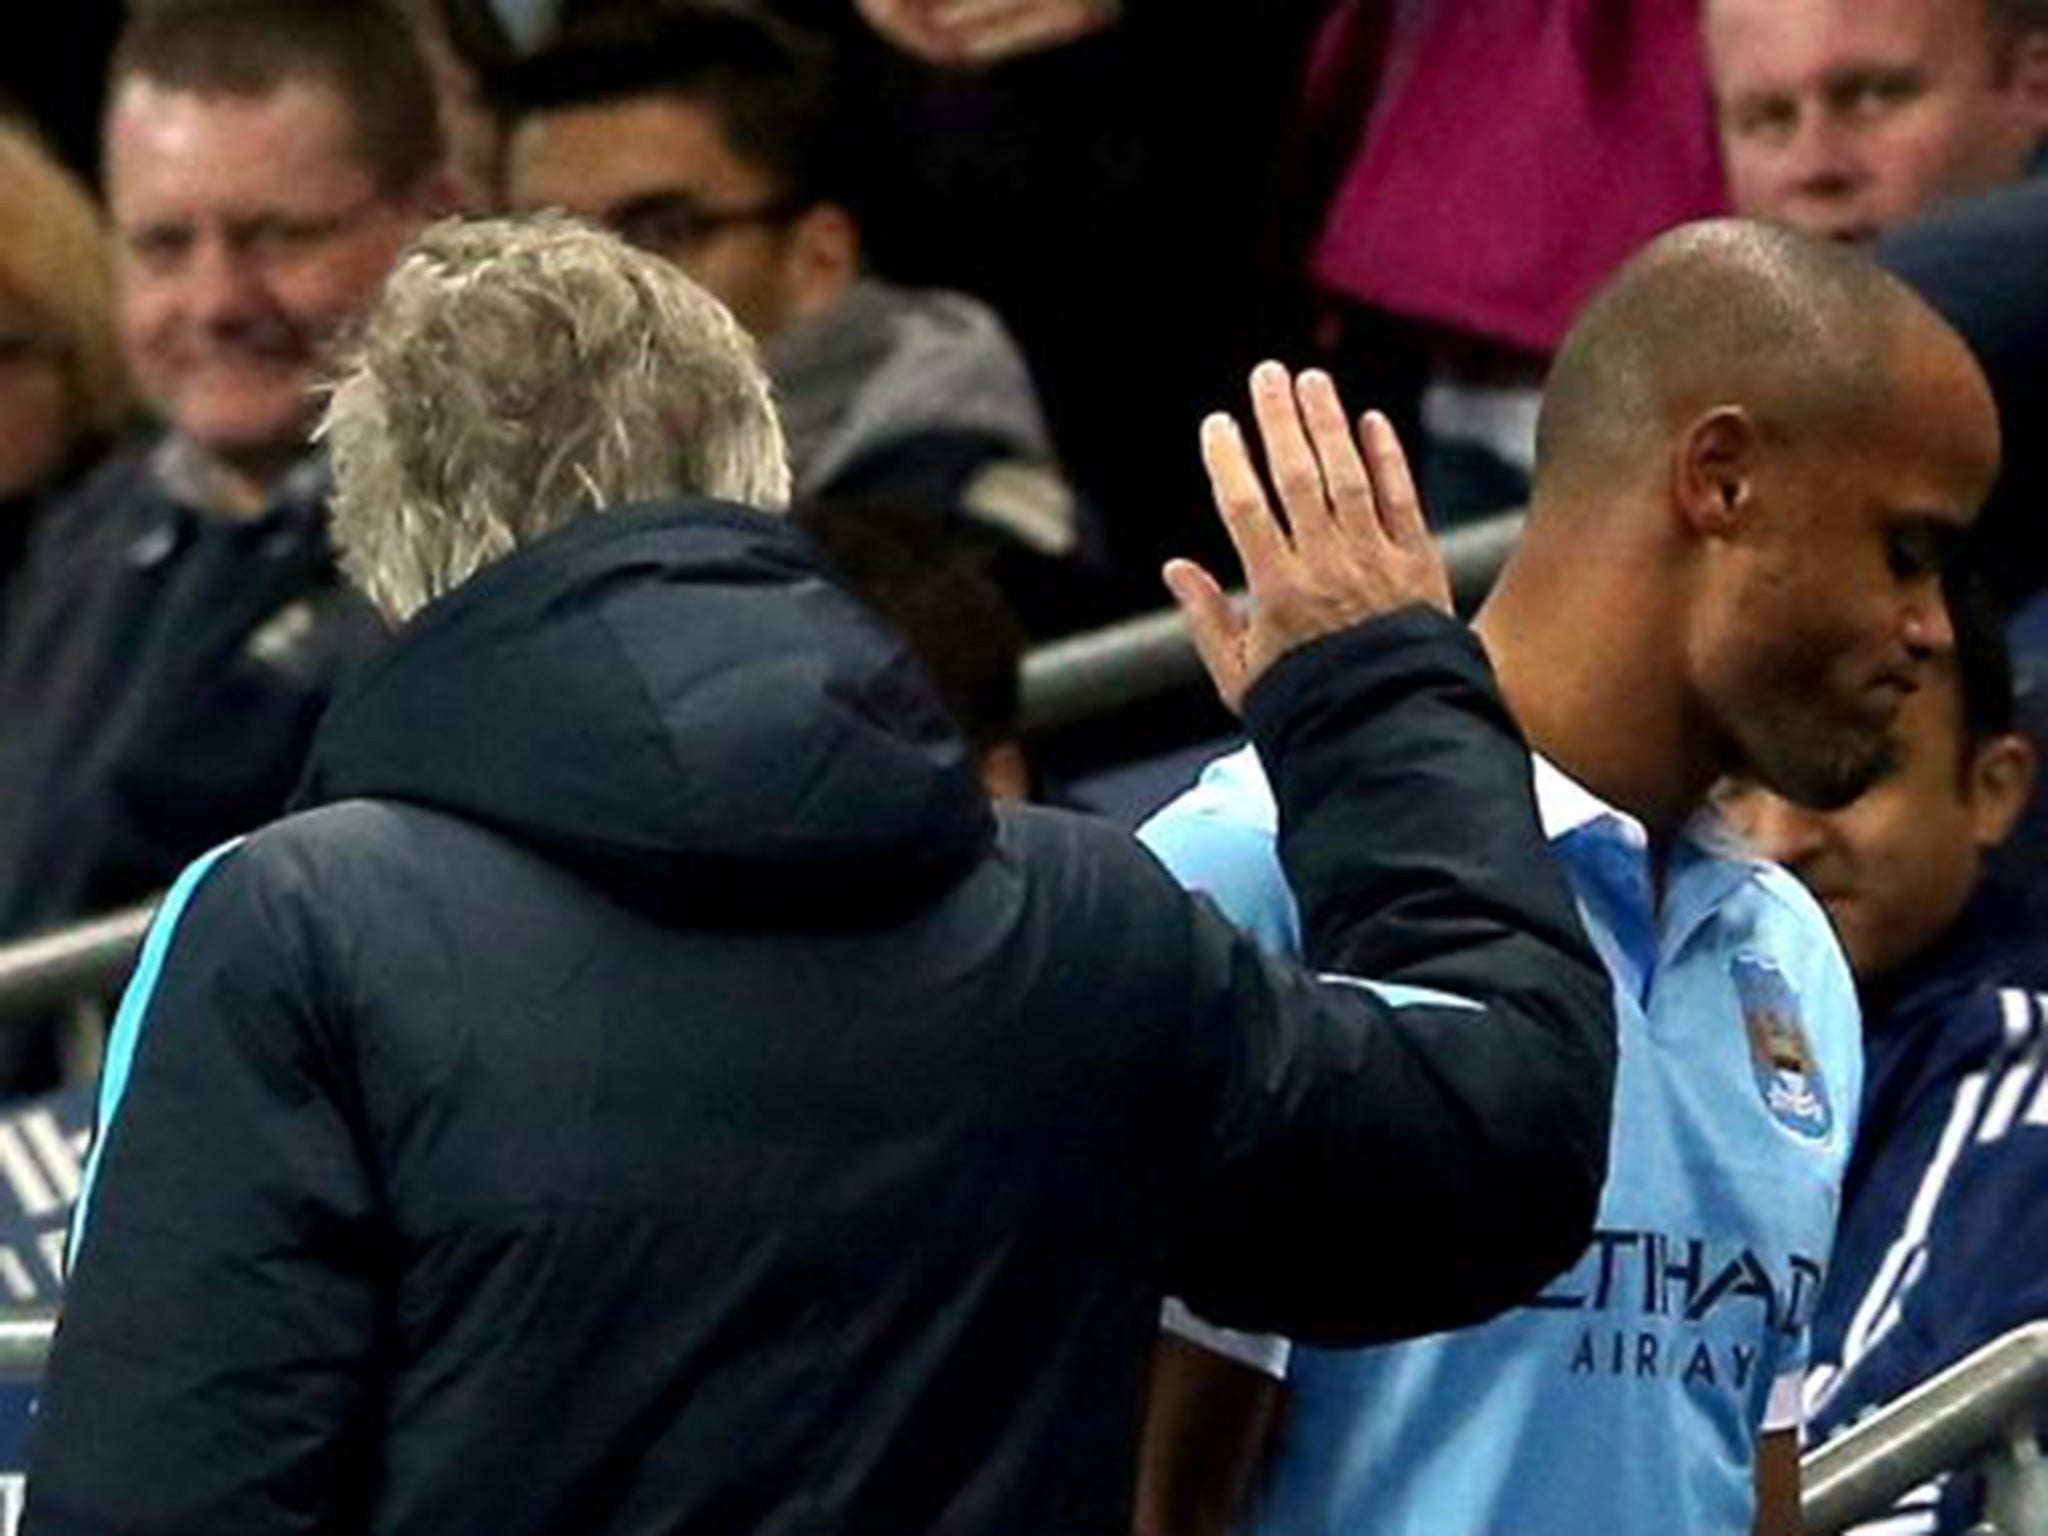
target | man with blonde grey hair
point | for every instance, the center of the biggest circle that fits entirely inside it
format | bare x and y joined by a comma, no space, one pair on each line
648,1089
454,441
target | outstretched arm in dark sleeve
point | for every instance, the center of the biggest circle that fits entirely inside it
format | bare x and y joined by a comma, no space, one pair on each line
1418,1141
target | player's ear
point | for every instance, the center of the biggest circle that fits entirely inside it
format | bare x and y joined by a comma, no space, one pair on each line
1713,471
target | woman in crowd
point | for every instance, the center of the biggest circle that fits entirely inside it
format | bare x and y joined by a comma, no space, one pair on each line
63,395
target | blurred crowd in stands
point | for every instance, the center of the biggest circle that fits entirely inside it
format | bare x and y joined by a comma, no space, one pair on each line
999,256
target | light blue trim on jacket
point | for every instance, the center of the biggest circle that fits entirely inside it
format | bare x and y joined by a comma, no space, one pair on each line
129,1024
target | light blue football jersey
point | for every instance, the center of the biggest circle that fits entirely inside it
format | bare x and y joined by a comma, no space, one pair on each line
1628,1396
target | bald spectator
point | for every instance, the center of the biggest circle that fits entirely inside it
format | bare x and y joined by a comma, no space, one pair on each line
1892,120
180,624
1847,118
1754,456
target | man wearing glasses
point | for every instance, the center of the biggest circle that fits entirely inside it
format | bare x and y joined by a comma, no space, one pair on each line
179,625
708,137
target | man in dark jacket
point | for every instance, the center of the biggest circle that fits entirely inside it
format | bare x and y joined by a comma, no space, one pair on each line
648,1089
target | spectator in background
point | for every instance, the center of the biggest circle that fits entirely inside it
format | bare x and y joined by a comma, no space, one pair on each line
462,43
179,623
1473,235
708,135
1941,1247
1072,162
1867,120
1849,118
63,398
63,394
916,575
1755,450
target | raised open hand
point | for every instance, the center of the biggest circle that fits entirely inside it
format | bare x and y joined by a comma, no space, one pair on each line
978,32
1347,543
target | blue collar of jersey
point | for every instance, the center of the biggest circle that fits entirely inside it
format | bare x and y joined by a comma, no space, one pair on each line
1707,861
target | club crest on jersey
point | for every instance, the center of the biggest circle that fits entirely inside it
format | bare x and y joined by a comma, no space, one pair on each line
1787,1072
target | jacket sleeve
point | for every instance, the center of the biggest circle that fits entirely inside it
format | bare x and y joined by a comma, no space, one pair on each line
220,1320
1416,1138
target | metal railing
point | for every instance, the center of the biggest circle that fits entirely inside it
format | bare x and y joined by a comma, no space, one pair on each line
1073,681
1066,683
52,969
25,1342
1981,1411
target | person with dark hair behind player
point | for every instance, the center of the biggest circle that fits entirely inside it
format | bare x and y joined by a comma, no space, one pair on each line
1937,1251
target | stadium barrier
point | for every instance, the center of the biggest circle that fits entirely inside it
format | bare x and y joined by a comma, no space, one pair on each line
1066,683
1085,677
1981,1412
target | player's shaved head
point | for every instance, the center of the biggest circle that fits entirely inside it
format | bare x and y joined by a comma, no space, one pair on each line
1802,334
1756,456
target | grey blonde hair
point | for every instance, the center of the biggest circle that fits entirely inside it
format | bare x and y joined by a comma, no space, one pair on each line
520,373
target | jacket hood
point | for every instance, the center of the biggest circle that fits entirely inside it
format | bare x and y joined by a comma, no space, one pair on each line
674,702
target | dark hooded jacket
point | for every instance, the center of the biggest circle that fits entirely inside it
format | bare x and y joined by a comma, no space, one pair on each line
650,1090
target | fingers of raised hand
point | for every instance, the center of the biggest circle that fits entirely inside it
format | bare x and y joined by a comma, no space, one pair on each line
1400,509
1215,625
1352,543
1348,487
1290,459
1241,499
